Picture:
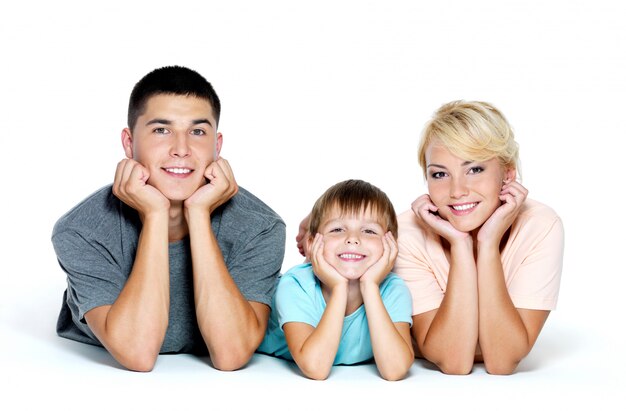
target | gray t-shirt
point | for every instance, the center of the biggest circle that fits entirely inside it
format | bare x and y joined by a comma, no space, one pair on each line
96,242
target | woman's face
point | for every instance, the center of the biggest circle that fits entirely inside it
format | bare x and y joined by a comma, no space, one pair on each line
466,193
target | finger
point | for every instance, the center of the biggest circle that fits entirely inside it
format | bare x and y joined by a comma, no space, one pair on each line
125,173
393,245
117,179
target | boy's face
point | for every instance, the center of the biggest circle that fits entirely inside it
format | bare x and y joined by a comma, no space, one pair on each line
352,243
175,139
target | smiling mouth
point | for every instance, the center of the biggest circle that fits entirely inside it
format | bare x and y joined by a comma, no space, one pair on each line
464,207
351,257
178,170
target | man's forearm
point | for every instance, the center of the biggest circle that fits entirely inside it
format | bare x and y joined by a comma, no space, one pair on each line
231,328
133,328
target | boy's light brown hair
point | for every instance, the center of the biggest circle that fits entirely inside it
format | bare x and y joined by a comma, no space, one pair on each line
352,197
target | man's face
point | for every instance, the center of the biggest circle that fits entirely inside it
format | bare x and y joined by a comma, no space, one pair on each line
175,139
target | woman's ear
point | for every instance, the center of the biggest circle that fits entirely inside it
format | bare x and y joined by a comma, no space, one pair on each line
127,142
510,175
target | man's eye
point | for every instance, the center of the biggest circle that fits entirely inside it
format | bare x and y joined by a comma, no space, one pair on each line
198,132
160,130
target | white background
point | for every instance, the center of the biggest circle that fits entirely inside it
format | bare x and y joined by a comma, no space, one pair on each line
314,93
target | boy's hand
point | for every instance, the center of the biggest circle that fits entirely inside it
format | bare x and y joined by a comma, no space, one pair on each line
220,188
428,219
377,272
326,273
130,185
512,195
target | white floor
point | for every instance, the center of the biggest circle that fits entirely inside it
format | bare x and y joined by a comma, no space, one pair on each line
571,365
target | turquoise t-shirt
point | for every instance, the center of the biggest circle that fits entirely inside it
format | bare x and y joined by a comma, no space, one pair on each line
299,298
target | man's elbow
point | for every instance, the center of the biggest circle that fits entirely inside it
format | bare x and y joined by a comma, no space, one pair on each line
231,359
140,362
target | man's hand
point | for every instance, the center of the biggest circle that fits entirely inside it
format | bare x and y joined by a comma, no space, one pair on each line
377,272
130,185
220,188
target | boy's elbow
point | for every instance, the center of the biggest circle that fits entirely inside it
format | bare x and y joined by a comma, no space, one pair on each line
394,375
314,370
319,374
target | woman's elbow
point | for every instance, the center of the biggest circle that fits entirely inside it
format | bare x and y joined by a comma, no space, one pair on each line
501,367
456,367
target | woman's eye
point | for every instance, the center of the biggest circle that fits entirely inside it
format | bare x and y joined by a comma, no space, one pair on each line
476,170
438,174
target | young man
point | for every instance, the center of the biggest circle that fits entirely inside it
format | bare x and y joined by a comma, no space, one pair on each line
173,256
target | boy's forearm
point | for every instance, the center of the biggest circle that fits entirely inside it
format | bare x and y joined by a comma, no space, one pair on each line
317,353
393,351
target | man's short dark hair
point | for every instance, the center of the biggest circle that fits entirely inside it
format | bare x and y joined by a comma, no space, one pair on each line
175,80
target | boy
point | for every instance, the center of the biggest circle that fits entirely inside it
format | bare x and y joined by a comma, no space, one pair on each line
173,256
344,307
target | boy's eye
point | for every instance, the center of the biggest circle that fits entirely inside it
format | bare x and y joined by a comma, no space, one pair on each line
335,230
370,231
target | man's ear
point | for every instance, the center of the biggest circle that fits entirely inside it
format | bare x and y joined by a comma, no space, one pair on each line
218,145
127,142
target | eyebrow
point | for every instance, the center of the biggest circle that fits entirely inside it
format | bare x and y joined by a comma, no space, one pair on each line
465,163
169,122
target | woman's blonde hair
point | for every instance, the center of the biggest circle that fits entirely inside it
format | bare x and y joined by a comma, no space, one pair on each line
471,130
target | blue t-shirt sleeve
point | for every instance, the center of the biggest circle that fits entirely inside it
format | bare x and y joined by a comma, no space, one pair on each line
296,302
397,299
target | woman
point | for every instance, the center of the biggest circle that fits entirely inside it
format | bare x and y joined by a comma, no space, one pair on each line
483,262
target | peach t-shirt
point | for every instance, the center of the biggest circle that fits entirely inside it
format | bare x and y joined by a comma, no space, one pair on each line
532,260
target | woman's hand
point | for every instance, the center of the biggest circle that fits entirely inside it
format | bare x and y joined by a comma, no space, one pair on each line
429,220
513,195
